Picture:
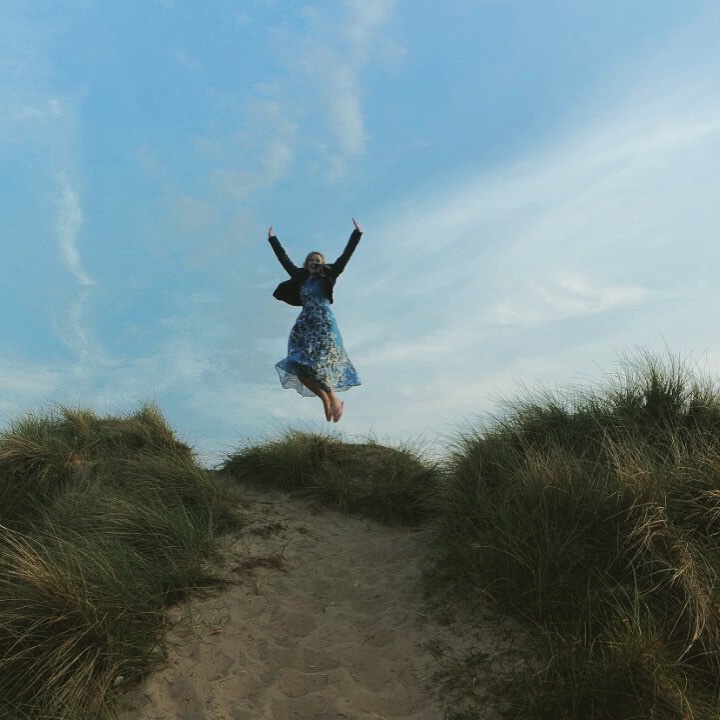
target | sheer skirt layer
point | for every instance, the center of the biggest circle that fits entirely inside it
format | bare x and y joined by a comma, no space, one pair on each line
315,348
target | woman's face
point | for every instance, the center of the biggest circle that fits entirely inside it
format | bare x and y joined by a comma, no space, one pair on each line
314,261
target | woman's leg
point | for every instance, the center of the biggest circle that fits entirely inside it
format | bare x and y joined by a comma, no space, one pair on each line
324,395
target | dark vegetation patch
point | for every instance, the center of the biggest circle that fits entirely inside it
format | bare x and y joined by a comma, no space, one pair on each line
370,479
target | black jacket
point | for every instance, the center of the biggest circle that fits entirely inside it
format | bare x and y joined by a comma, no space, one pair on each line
289,291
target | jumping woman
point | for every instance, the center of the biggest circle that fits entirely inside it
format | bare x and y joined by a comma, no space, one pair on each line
316,362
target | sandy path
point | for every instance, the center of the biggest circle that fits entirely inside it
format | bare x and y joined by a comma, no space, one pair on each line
326,625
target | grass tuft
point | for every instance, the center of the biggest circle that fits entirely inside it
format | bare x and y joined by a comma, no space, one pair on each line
594,518
103,523
385,483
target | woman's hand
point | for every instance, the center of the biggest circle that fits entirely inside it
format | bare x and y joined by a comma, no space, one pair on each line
357,227
271,232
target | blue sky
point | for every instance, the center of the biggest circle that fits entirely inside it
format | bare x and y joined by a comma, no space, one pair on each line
538,184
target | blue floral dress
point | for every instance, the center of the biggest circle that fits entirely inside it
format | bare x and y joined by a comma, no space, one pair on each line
315,346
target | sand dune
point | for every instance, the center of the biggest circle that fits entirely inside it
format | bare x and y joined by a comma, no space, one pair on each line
324,622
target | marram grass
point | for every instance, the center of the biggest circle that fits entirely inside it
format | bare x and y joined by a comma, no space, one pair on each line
591,516
103,522
381,482
595,518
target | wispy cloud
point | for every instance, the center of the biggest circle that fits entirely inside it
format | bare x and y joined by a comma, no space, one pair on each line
276,156
614,194
364,19
310,110
260,151
547,268
52,108
81,338
345,110
570,295
340,71
23,385
331,57
185,60
69,225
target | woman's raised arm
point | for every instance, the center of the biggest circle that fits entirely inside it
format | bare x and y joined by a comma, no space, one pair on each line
280,253
339,265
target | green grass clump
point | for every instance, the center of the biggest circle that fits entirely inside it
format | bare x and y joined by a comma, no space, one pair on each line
385,483
103,523
595,517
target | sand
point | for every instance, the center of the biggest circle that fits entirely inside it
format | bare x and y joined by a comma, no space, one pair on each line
324,620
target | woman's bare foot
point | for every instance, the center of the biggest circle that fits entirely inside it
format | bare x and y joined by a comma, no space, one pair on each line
337,412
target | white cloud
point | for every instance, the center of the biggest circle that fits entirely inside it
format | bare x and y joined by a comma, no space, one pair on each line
23,385
531,271
277,158
69,225
344,98
345,111
611,195
74,326
366,17
331,57
312,110
260,152
80,338
52,108
568,296
544,270
184,59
